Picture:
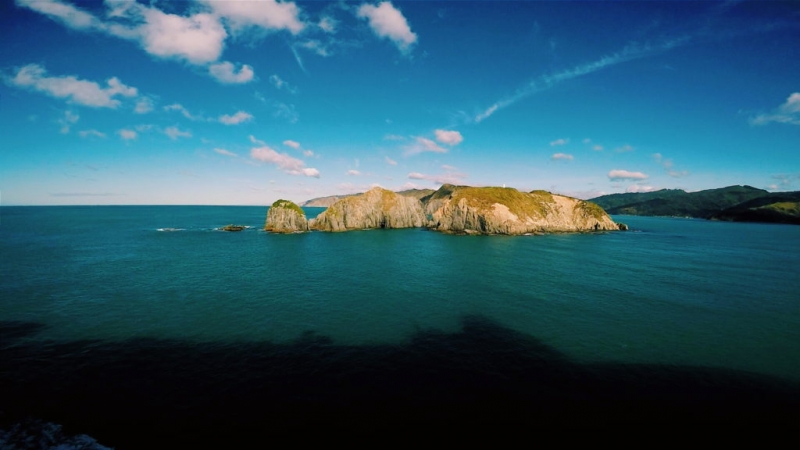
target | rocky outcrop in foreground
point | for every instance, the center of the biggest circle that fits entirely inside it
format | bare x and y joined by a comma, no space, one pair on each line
286,217
376,208
495,210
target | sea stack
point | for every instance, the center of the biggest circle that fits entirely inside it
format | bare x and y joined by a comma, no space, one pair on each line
495,210
285,216
376,208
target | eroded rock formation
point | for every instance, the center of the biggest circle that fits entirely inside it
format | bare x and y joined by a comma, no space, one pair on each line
376,208
494,210
285,216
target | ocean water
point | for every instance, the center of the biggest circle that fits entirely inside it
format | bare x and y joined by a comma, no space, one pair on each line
154,306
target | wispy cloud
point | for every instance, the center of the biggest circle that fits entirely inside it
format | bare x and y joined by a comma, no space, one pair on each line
127,134
286,163
185,112
624,148
268,15
239,117
421,145
388,22
286,111
73,89
618,175
294,144
788,112
174,133
281,84
390,161
668,166
544,82
70,118
353,173
449,137
561,156
227,73
224,152
91,133
144,105
450,176
559,142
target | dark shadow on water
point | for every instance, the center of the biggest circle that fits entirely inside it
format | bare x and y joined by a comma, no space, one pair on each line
141,391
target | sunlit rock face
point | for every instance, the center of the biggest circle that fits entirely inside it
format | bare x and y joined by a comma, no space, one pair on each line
286,217
376,208
495,210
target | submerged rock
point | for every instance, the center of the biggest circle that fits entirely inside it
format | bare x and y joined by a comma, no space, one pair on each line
376,208
285,216
495,210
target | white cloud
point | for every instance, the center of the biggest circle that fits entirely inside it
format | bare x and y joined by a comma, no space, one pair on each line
281,84
198,39
239,117
226,72
91,133
127,135
266,14
668,166
174,133
617,175
144,105
308,153
561,156
294,144
450,138
63,12
388,22
558,142
74,90
422,144
286,163
639,188
390,161
598,148
354,173
625,148
788,112
185,112
70,118
222,151
327,24
449,177
587,141
285,111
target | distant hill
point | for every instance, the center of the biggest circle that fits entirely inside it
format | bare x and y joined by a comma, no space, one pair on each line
779,207
679,203
330,200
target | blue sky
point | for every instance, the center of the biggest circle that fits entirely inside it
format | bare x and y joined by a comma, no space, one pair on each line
244,102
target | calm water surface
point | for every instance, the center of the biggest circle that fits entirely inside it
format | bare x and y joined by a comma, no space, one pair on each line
671,291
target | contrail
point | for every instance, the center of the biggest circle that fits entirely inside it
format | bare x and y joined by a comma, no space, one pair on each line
542,83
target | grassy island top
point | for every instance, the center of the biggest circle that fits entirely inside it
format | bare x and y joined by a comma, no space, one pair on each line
288,204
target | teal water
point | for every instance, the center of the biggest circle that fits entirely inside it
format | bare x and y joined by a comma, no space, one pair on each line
670,291
138,324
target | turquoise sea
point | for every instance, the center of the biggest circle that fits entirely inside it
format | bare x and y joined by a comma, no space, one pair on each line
131,322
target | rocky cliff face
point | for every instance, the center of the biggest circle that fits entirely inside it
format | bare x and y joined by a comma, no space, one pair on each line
376,208
285,217
494,210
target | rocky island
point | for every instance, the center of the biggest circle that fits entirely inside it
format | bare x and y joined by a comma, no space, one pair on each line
496,210
285,216
451,209
376,208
